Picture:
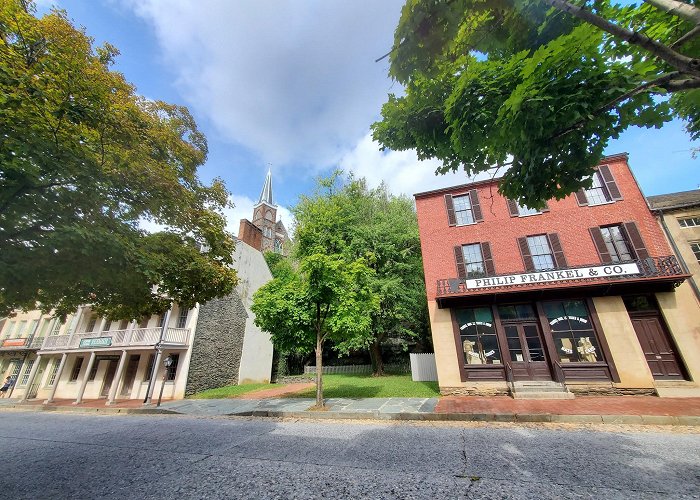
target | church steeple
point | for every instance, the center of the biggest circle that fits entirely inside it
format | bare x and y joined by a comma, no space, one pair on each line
266,193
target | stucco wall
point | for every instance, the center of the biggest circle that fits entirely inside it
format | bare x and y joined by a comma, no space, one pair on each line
682,315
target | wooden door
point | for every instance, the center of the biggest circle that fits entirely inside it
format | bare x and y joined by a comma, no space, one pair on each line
657,347
130,375
109,377
528,358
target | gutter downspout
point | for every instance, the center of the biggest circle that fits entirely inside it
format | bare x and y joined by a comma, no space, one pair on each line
678,253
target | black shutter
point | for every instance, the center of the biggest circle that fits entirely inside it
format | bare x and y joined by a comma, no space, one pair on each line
609,182
451,219
476,208
459,260
600,246
513,208
581,198
635,238
555,245
488,259
525,252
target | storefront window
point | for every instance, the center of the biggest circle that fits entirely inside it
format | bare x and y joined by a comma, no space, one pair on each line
478,336
572,331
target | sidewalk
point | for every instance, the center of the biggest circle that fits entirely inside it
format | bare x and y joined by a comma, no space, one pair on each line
584,409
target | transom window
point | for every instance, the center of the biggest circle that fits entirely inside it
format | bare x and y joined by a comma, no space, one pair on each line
541,252
478,336
463,209
695,247
524,210
689,222
616,243
597,194
473,260
572,331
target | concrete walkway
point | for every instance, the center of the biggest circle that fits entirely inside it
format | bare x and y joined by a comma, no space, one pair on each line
267,403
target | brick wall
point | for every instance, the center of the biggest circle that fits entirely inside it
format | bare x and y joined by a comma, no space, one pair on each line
566,218
250,234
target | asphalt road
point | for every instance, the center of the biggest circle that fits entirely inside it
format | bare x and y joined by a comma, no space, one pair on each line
59,455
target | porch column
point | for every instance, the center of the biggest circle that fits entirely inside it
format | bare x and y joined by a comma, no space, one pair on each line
103,323
154,373
85,379
32,374
58,377
117,379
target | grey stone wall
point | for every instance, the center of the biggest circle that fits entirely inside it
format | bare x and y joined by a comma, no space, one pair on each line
218,344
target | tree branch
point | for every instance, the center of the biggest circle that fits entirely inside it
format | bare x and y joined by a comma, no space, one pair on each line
687,37
679,61
667,82
676,8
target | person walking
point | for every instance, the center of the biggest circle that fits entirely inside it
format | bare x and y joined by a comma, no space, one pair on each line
6,386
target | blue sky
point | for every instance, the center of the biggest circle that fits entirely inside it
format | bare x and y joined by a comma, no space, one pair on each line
293,86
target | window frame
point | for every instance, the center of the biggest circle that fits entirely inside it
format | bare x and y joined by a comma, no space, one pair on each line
469,211
683,222
76,369
533,255
696,251
624,239
593,190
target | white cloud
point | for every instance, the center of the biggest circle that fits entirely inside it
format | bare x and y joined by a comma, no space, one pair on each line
295,82
401,170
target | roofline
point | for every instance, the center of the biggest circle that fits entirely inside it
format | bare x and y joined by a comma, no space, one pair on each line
674,207
604,159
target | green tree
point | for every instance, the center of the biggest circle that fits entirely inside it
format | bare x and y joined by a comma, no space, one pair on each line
328,298
540,86
345,216
84,160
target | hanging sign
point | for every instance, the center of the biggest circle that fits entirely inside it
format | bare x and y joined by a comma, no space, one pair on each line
14,342
98,342
553,276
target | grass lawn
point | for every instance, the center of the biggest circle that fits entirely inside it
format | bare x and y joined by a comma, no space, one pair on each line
366,386
230,391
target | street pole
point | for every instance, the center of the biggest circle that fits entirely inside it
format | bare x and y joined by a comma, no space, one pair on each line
156,361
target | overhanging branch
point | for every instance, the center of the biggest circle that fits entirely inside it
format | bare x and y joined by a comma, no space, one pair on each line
676,8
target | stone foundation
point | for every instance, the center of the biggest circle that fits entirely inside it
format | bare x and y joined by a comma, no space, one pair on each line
609,390
475,391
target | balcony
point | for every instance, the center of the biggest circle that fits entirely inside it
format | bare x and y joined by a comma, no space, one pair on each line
661,273
176,337
21,344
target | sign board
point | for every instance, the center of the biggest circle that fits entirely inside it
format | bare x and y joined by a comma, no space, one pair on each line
552,276
98,342
14,342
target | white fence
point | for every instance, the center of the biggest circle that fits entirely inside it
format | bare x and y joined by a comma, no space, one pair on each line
423,368
390,368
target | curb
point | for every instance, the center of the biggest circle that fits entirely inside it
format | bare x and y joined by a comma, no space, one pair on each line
106,411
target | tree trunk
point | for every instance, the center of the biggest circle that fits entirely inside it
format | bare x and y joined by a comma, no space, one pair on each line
319,370
375,353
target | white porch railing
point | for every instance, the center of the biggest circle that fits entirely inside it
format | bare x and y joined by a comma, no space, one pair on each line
118,338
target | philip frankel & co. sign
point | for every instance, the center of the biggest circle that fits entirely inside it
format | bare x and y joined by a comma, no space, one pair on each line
550,276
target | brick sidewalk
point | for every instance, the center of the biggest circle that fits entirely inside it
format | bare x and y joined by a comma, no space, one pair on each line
582,405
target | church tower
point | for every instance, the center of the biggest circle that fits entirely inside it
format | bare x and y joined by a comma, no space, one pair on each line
274,234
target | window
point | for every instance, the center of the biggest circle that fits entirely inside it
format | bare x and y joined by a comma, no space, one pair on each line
93,370
540,252
149,368
20,329
268,215
463,210
172,369
603,189
518,210
616,243
76,369
478,336
56,327
124,324
182,318
27,371
54,371
144,322
161,319
8,330
473,260
695,247
689,222
91,324
572,331
525,210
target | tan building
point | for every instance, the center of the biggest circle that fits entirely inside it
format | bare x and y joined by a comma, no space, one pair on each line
679,216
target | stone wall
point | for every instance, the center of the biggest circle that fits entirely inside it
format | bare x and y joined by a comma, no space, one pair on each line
217,345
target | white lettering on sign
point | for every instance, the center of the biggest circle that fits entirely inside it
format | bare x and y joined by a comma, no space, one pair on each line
473,323
562,318
552,276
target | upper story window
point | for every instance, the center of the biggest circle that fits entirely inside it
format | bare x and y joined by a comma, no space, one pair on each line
518,210
616,243
8,330
268,215
182,318
463,209
695,247
91,324
619,243
474,260
689,222
542,251
603,189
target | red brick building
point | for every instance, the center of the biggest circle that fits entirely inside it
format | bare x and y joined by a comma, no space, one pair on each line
583,296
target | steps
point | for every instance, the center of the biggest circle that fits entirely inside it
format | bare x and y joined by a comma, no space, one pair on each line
535,389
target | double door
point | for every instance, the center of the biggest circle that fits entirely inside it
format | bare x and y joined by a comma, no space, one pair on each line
528,357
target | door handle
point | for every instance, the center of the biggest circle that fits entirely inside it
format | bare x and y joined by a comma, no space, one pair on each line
658,357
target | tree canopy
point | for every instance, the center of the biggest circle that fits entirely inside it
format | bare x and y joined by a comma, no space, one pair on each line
538,86
84,160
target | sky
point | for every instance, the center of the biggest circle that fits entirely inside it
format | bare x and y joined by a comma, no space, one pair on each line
293,86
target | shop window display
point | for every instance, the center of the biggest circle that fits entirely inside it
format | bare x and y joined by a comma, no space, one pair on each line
572,331
478,336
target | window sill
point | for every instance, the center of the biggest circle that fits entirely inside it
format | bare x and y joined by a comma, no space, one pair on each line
530,215
467,224
600,204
